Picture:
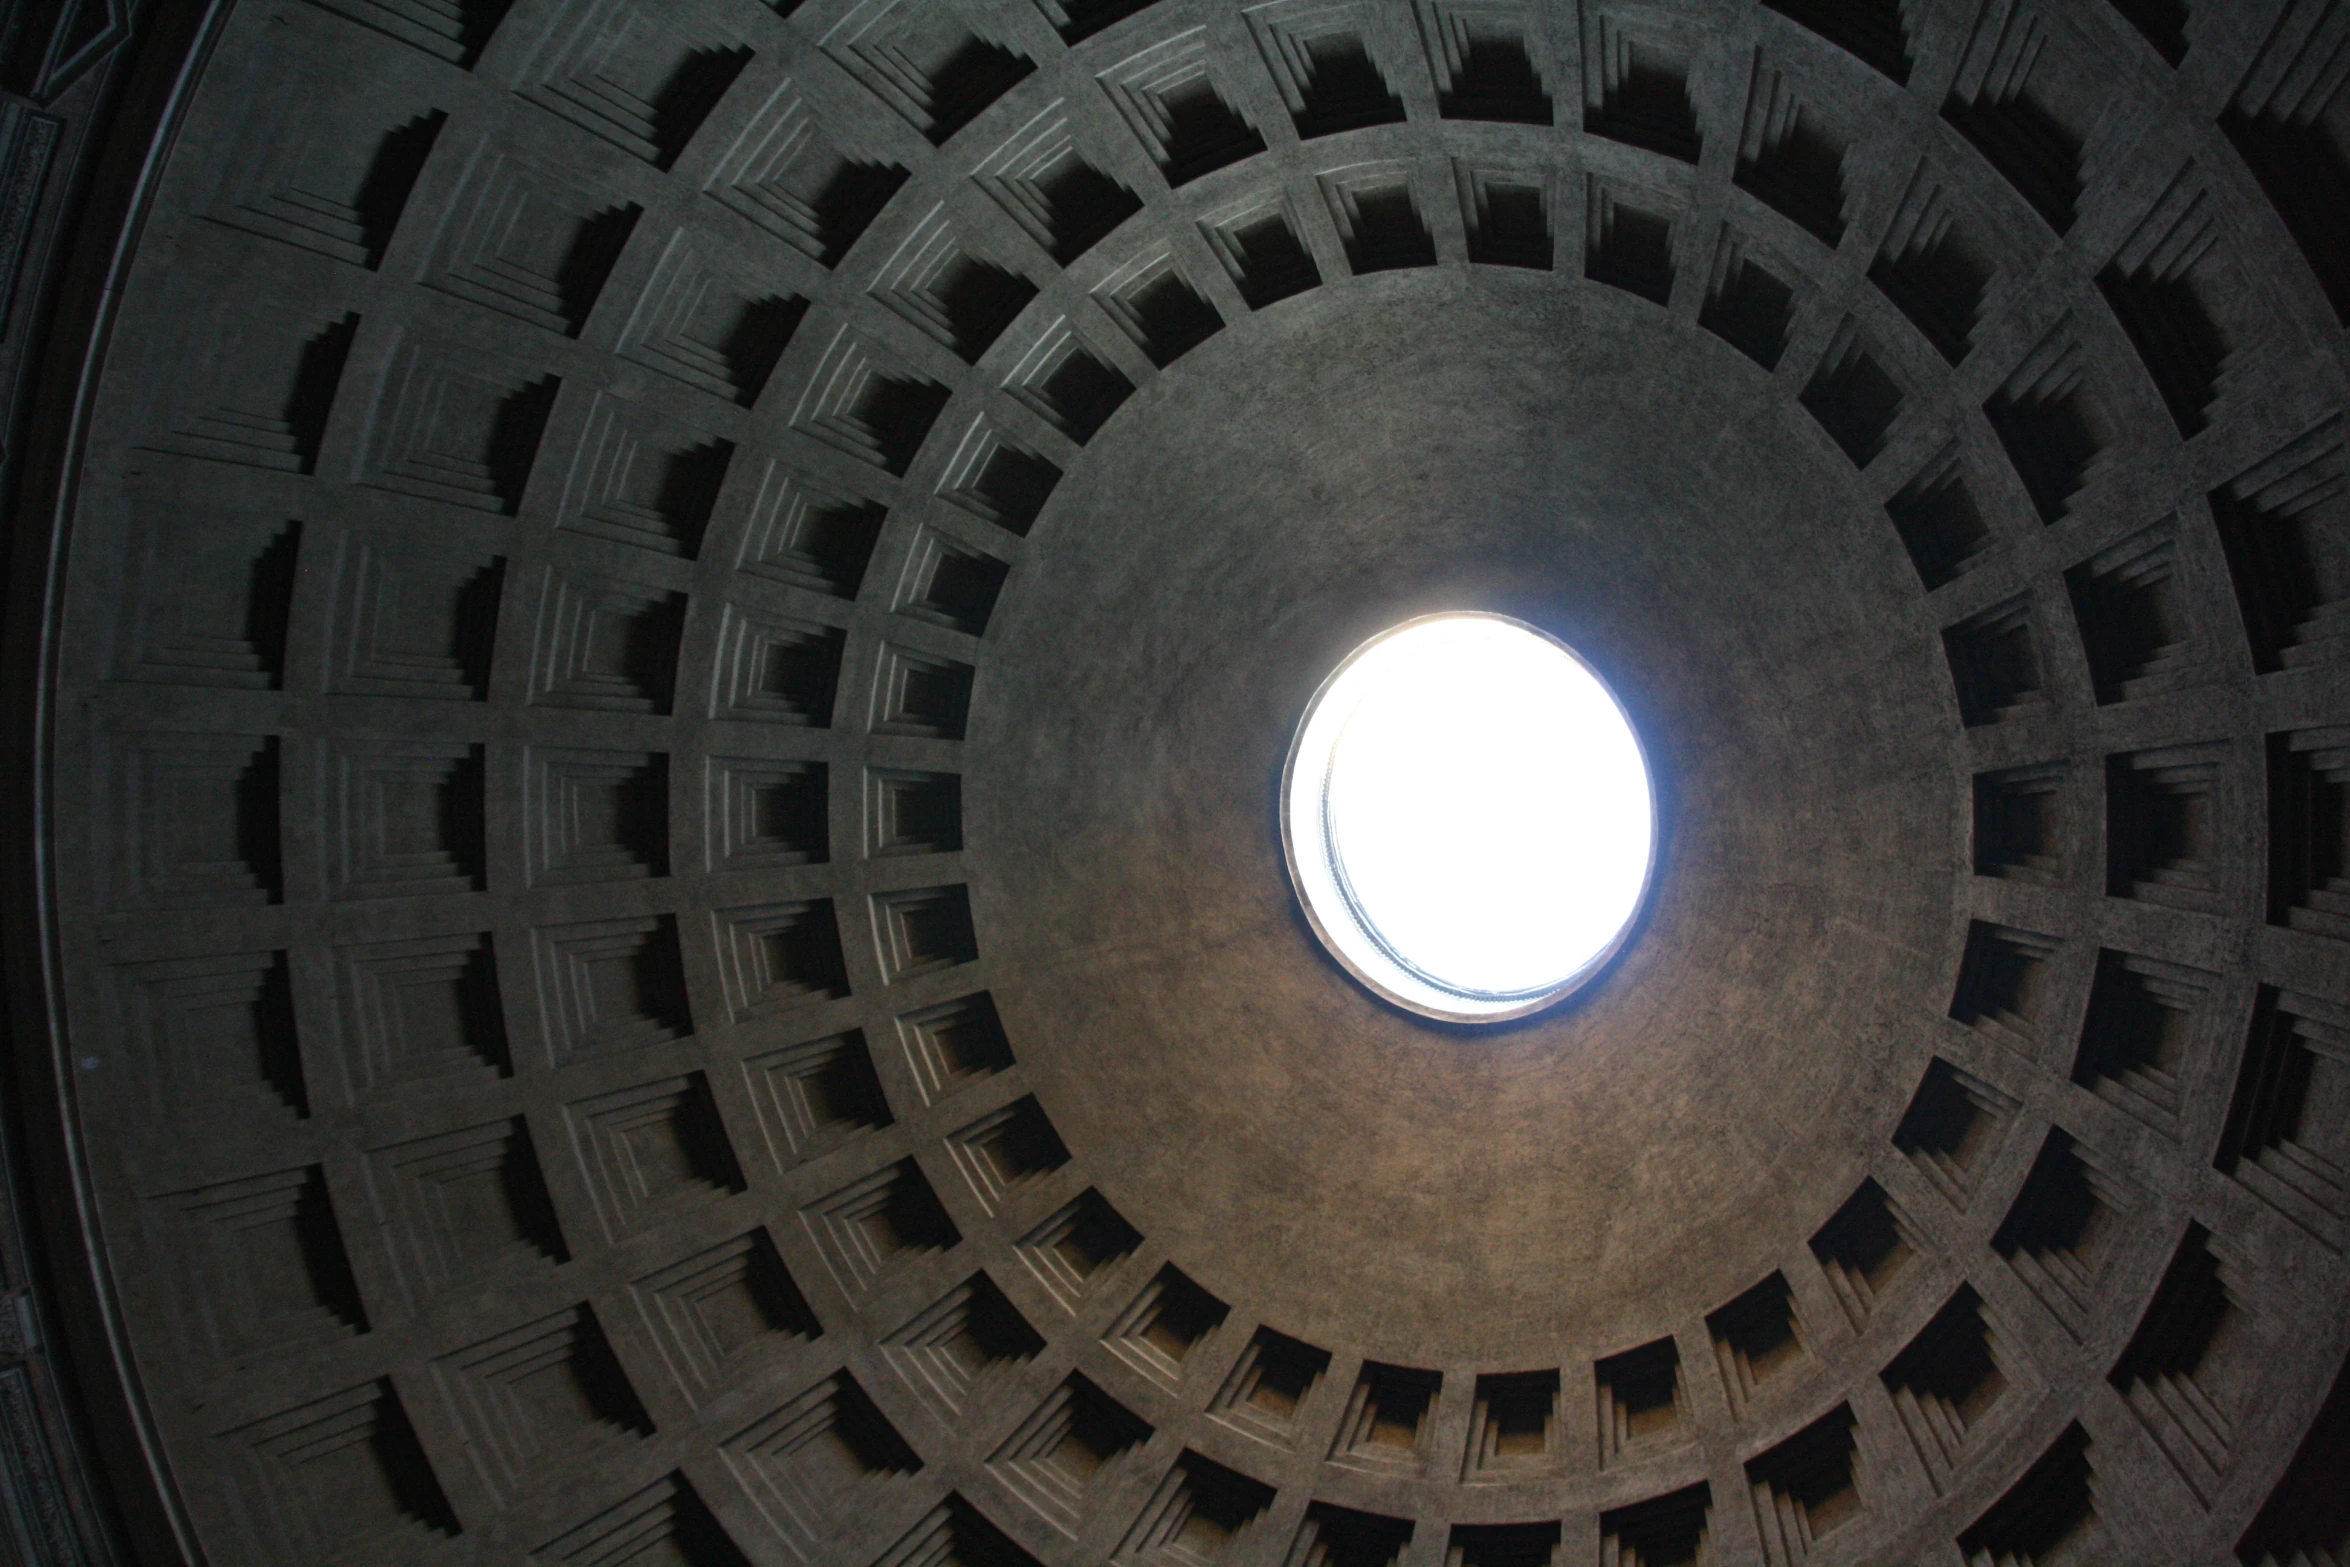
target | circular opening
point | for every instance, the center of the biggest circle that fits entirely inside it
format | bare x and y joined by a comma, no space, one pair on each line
1468,817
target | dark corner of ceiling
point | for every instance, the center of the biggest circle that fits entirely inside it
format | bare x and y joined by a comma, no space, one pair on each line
88,90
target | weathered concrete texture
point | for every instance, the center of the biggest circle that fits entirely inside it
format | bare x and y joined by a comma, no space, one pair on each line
1434,1193
672,635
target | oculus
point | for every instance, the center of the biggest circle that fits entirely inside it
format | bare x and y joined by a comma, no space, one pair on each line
1468,817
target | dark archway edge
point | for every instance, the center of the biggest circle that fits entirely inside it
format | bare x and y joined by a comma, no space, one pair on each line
81,1480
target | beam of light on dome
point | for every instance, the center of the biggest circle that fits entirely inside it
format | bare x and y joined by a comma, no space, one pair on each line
1468,817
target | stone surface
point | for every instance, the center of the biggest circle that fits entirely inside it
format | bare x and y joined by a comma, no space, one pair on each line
660,685
1304,480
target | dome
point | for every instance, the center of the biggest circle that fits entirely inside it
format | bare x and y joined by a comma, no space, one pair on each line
660,648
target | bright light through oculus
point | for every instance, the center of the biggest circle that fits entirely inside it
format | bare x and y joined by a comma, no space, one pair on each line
1468,817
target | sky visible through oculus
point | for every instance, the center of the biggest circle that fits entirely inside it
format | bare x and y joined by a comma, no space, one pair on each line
1485,807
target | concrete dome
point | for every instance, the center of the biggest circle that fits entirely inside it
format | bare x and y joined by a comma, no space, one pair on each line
657,639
